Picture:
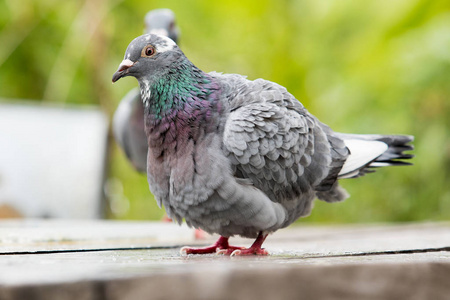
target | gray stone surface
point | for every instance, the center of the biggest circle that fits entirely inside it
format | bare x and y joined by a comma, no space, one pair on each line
51,235
346,262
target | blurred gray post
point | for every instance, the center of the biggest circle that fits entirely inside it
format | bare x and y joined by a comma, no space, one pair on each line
52,160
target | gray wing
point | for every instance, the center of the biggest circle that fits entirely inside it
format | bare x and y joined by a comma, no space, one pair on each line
272,140
129,129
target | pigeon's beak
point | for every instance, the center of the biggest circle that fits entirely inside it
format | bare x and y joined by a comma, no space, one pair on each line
123,69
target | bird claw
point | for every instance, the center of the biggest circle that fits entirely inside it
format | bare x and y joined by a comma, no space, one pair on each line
242,251
221,251
221,247
184,250
250,251
205,250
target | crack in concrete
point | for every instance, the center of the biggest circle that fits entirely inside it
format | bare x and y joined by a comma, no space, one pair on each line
375,253
88,250
371,253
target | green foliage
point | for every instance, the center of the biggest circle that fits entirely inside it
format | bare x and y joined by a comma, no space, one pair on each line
372,66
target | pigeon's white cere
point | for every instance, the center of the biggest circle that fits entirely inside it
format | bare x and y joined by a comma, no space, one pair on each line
361,153
168,45
126,63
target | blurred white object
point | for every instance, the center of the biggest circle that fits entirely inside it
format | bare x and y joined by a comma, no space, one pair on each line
52,160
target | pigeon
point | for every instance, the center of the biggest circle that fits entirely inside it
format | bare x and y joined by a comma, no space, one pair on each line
234,156
128,120
162,21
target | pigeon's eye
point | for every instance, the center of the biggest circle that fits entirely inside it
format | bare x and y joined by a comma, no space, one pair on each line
148,51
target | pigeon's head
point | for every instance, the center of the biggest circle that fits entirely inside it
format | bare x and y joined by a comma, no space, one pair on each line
148,57
162,21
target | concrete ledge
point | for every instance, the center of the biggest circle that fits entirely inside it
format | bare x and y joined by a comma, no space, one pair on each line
366,281
74,260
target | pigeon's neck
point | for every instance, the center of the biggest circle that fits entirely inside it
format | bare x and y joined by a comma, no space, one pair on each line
184,84
181,106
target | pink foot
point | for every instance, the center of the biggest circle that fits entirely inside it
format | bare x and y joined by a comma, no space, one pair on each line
220,245
254,249
250,251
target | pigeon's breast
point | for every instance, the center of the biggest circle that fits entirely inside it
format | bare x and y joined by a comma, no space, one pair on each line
183,150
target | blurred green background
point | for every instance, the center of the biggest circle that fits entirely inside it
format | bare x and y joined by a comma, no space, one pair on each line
373,66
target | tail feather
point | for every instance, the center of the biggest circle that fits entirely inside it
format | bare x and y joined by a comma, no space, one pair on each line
393,156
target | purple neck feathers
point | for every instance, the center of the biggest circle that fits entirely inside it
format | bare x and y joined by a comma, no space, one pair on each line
179,113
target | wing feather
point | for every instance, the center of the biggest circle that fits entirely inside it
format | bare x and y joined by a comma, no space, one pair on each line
274,142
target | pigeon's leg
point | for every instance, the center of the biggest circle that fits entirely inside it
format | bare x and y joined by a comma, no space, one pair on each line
220,245
255,248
